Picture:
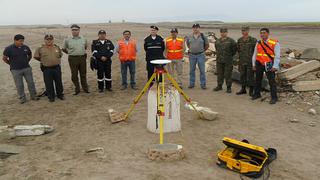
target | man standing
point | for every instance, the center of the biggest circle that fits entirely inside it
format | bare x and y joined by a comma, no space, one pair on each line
75,47
18,57
246,45
127,50
226,48
266,58
154,47
102,50
174,52
197,44
50,55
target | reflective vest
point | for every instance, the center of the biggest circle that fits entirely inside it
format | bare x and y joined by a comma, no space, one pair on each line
127,52
262,56
174,48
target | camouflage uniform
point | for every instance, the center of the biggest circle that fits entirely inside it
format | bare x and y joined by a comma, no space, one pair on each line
226,49
245,50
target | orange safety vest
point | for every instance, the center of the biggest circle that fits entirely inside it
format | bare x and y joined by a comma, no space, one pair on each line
262,56
127,52
174,48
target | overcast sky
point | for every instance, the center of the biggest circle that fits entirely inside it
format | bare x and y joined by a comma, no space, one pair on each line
98,11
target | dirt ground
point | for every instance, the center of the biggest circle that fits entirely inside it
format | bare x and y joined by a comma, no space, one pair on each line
81,122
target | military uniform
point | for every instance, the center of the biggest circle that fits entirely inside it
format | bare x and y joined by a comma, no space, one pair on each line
103,48
226,49
245,50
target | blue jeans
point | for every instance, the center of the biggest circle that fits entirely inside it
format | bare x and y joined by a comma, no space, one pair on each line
131,65
193,61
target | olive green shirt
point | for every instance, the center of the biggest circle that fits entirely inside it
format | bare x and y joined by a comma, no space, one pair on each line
75,46
246,49
225,50
48,56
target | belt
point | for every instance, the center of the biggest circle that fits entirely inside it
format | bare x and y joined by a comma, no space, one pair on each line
78,55
197,53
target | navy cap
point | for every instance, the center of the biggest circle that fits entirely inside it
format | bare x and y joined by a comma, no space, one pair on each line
48,36
196,25
154,27
102,32
174,30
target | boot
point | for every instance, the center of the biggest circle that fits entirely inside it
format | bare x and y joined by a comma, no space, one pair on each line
251,91
218,88
242,91
228,90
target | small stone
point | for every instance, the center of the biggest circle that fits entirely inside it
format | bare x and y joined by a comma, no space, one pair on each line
300,109
312,124
308,103
312,111
294,120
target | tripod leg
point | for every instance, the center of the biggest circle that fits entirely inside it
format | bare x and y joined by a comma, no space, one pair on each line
137,99
184,95
161,107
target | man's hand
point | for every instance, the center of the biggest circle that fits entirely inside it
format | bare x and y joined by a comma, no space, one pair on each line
103,58
254,68
5,59
273,70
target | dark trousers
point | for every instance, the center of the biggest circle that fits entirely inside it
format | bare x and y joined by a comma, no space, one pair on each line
79,64
224,71
246,75
104,74
53,81
150,69
260,69
124,69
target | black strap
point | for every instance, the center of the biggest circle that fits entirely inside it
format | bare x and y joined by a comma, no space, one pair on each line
204,41
265,51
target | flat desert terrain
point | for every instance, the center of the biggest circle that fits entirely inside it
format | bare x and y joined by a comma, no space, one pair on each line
81,122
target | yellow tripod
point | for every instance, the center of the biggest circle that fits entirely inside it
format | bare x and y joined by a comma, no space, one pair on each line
159,75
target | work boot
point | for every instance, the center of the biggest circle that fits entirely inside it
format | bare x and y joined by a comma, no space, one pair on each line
242,91
61,97
123,87
273,101
100,90
134,87
22,101
190,87
76,92
251,90
228,90
256,96
109,89
218,88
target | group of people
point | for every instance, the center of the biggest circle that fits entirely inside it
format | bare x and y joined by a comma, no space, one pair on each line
256,57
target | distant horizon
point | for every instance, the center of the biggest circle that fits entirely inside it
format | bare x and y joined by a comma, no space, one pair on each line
191,21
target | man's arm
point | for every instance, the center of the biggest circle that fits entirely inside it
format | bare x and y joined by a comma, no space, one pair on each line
94,50
29,54
254,56
37,54
5,57
276,63
234,47
65,46
206,43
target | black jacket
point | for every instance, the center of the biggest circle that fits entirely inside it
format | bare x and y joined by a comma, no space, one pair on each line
98,49
154,48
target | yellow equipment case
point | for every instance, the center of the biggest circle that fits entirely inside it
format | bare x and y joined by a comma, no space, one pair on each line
247,159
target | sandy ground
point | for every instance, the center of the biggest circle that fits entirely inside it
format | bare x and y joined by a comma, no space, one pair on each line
81,123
